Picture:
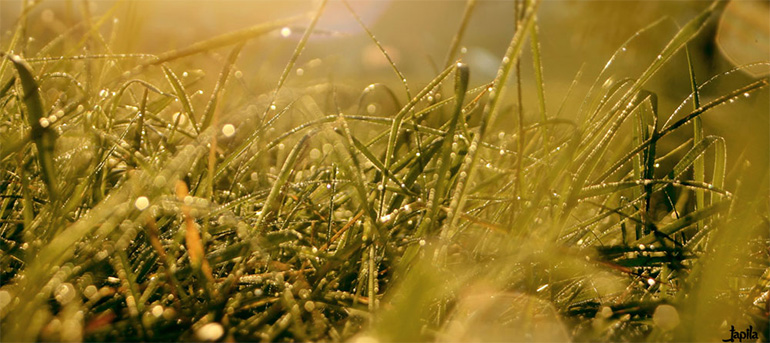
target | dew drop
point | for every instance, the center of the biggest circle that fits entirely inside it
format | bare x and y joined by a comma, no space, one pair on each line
502,152
238,74
300,71
506,59
157,311
371,108
65,293
141,203
44,122
463,50
272,107
309,306
285,32
228,130
746,94
315,154
422,242
651,282
210,332
90,291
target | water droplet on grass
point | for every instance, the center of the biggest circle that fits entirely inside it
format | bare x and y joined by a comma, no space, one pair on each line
65,293
300,71
157,311
285,32
371,108
228,130
315,154
210,332
309,306
141,203
44,122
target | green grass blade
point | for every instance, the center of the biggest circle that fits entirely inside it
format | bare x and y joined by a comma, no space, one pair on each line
699,167
271,203
208,114
490,113
227,39
181,94
42,134
683,222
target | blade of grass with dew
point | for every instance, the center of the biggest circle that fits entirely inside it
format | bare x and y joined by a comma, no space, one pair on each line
454,46
699,167
295,56
378,164
685,221
42,134
230,38
650,106
688,31
748,89
103,218
720,165
181,94
538,66
489,115
271,203
641,133
357,175
208,113
398,119
443,163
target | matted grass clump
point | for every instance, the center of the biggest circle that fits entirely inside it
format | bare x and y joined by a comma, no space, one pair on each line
145,200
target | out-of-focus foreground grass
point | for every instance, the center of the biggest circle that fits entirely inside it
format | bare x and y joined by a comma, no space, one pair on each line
231,176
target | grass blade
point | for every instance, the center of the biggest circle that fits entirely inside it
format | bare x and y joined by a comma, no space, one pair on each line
42,134
181,94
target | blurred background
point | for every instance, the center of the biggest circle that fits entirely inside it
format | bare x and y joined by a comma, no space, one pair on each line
575,36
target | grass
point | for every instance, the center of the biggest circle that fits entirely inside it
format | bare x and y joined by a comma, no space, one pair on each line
137,208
